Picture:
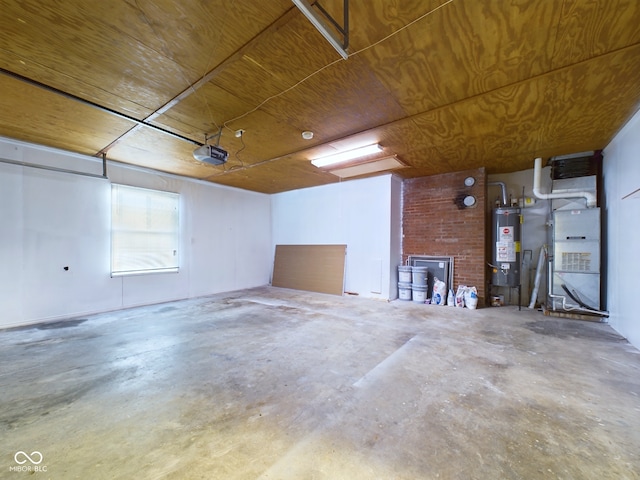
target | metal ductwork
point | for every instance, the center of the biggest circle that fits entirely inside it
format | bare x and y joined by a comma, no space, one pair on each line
590,197
503,188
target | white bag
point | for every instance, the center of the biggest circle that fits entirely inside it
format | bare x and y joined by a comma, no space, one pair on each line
460,295
471,297
439,296
451,299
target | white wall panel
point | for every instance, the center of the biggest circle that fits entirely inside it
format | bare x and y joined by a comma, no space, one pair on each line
395,232
355,213
621,178
51,220
11,243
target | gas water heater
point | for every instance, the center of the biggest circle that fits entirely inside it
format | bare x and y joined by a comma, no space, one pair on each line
507,251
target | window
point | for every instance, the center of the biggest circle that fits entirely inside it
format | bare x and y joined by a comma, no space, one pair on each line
145,230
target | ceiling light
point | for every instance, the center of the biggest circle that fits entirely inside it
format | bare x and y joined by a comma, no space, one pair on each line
379,165
307,135
323,27
348,155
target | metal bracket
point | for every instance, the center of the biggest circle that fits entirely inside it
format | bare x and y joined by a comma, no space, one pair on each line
215,135
327,25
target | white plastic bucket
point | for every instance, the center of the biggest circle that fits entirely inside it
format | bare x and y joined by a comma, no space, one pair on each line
419,293
404,274
404,291
419,275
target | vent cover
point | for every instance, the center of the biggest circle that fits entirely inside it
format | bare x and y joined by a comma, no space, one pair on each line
576,165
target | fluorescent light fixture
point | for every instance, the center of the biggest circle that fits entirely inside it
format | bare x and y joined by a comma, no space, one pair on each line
321,25
380,165
348,155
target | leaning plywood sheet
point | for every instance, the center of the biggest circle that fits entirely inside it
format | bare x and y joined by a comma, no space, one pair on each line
315,268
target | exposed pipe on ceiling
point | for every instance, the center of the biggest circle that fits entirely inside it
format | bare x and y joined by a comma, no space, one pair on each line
537,173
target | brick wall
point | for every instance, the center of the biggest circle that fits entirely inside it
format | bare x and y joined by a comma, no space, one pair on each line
435,223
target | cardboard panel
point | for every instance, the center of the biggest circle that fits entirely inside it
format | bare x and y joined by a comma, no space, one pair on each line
315,268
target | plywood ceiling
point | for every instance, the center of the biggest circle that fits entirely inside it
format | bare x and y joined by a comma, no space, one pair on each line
445,85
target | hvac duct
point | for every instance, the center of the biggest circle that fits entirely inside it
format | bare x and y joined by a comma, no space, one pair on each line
590,197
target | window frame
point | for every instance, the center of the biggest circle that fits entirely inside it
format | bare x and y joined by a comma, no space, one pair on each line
155,260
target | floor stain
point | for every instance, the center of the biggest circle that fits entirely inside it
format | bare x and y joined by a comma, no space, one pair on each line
573,329
60,324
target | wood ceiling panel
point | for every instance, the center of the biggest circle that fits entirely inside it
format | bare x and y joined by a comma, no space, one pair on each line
476,83
588,29
571,109
203,112
276,176
61,81
473,131
261,70
198,35
590,101
465,49
333,100
47,118
88,54
282,58
265,137
374,20
150,149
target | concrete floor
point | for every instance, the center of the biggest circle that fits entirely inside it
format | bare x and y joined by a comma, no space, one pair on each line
278,384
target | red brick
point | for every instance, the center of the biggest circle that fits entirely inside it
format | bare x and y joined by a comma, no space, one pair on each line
432,224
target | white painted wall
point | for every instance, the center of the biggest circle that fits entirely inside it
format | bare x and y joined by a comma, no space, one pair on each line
357,213
49,220
622,220
396,235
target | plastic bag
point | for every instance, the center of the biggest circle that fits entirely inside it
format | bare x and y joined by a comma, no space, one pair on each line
471,297
439,296
460,295
451,299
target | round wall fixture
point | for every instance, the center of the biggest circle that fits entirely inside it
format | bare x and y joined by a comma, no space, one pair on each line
469,181
469,201
307,135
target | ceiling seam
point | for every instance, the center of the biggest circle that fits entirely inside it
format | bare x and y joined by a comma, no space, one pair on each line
192,88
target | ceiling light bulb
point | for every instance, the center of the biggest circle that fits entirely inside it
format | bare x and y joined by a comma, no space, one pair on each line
348,155
307,135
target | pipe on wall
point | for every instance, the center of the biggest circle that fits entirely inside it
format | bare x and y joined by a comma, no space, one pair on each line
590,197
57,169
503,187
541,258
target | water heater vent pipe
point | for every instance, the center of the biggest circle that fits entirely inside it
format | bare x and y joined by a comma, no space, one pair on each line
537,173
503,188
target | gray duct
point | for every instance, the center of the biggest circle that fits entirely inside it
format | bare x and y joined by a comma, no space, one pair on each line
590,197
